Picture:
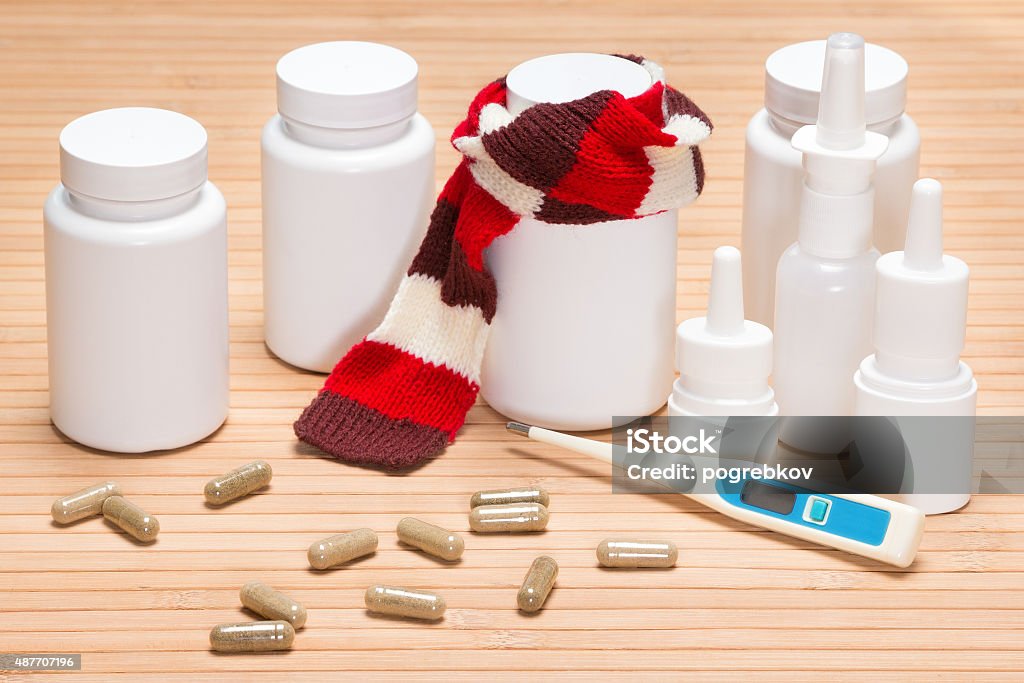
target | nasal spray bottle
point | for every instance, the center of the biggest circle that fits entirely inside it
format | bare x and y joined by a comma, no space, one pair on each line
825,289
724,361
920,324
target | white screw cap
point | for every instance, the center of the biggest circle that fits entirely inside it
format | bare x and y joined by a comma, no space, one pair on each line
793,82
722,352
347,84
133,154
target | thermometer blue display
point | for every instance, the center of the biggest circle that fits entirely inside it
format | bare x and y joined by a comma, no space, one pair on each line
830,514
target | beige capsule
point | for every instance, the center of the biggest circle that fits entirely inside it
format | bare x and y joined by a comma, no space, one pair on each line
272,604
85,503
252,636
636,554
238,482
510,496
431,539
335,550
404,602
537,584
516,517
130,518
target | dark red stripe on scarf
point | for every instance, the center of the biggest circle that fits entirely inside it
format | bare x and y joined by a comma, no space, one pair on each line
352,432
541,147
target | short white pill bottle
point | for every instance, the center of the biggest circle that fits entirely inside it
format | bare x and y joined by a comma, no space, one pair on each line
136,283
773,174
348,184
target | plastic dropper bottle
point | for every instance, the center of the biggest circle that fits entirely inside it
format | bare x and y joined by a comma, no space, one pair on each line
920,325
724,360
825,291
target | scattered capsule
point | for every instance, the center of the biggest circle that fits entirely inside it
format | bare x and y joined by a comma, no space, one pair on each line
130,518
636,554
272,604
335,550
514,518
84,503
238,482
404,602
431,539
252,636
537,584
510,496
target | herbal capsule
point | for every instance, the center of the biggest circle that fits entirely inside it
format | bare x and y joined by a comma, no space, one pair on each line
404,602
431,539
252,636
514,518
84,503
238,482
132,519
342,548
509,496
272,604
537,584
636,554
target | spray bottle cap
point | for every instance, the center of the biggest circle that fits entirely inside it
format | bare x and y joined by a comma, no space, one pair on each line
722,356
839,152
921,298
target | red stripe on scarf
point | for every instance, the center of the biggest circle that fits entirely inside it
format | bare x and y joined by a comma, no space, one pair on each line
482,219
611,171
402,386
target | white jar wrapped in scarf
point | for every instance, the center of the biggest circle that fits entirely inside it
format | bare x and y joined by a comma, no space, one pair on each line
585,328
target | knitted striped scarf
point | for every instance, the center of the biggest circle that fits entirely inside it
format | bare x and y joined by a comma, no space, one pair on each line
399,396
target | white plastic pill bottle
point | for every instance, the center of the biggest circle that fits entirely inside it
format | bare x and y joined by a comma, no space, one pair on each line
136,283
585,325
348,184
773,175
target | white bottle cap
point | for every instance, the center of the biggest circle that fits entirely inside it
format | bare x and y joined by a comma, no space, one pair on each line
347,84
793,82
133,154
921,301
573,75
721,356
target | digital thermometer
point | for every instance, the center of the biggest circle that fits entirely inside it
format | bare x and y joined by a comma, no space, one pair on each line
861,524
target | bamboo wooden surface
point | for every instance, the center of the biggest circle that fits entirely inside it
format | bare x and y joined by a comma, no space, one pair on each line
740,600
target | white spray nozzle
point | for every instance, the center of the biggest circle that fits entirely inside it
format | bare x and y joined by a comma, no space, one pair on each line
725,300
841,106
923,250
839,157
839,152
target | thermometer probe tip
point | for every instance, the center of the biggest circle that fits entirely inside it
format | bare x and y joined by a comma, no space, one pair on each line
518,428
